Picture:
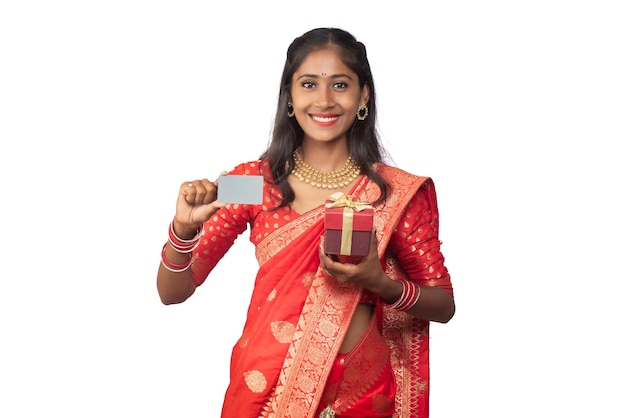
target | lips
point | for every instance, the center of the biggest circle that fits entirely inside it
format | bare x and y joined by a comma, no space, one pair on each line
324,120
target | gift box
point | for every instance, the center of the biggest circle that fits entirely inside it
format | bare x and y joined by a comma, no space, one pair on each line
348,226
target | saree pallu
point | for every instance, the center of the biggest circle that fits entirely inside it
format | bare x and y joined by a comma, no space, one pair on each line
361,382
298,317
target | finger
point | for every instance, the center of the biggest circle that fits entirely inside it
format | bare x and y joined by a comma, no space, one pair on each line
185,187
320,250
210,189
217,180
198,192
206,211
205,192
327,257
188,190
223,173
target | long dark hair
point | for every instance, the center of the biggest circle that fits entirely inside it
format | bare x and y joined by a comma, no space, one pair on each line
363,139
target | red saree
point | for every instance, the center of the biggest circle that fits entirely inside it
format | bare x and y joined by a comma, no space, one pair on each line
298,316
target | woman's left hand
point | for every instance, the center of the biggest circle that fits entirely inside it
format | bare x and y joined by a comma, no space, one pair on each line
365,271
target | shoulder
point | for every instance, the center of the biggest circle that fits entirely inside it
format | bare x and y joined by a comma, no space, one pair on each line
398,177
419,190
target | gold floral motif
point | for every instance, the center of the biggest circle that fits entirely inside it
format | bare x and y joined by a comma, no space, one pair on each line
255,380
307,279
326,327
282,331
291,394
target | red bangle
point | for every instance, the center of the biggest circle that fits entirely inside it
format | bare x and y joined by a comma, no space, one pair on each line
174,268
184,245
410,295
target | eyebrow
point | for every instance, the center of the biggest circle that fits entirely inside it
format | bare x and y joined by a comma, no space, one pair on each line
341,75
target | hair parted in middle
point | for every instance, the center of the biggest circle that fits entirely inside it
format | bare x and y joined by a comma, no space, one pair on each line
363,139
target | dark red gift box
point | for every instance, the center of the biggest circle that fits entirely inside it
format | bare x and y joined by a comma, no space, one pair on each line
348,226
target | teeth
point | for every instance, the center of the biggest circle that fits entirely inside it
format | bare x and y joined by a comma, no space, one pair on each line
327,119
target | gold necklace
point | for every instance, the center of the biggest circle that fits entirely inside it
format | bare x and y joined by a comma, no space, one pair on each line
332,180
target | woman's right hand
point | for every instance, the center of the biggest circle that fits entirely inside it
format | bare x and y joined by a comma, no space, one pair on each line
197,202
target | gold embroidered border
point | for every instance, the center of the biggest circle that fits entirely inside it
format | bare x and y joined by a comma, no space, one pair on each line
328,309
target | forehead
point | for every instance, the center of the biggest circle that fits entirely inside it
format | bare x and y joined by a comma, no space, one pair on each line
325,61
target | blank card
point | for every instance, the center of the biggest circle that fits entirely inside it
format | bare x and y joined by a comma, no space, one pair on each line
240,189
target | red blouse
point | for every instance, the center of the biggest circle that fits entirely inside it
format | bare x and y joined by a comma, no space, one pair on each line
414,243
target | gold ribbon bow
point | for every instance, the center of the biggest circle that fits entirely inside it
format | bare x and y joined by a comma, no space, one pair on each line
339,200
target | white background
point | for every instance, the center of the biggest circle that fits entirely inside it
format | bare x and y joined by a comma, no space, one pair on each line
516,109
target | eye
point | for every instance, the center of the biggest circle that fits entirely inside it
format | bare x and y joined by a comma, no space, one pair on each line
340,85
308,84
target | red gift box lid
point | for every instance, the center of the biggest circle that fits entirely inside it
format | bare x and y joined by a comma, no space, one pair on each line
362,220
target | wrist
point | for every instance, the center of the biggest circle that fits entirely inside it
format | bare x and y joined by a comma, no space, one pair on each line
184,231
183,245
389,290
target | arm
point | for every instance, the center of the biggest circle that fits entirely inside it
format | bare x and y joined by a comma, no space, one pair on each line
195,205
434,304
415,244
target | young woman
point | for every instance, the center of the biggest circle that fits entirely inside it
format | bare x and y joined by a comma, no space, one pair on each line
323,336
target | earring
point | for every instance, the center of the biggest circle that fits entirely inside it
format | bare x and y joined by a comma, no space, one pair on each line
362,112
290,110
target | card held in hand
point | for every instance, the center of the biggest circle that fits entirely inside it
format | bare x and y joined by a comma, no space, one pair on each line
240,189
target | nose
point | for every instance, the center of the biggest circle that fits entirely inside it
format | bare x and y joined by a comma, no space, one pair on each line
324,98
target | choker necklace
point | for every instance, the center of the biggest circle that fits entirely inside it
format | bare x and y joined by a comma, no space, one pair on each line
332,180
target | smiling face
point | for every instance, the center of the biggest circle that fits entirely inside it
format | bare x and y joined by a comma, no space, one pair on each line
325,94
